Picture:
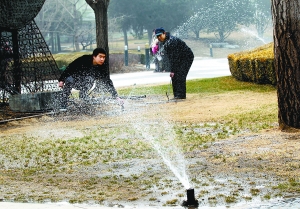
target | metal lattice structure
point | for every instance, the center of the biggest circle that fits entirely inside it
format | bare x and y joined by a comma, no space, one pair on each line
15,14
26,62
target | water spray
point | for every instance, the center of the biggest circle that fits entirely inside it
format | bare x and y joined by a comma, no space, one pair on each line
134,85
191,201
126,98
245,30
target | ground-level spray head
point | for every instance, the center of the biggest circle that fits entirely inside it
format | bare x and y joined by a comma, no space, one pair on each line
191,201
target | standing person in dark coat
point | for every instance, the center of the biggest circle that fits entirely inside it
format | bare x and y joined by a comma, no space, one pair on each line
180,58
82,73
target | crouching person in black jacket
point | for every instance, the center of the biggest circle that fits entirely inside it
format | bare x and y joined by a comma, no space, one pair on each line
81,75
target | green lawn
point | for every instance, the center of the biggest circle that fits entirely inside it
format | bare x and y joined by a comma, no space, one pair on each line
207,85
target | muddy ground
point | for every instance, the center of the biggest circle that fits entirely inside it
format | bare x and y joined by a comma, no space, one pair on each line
244,167
109,155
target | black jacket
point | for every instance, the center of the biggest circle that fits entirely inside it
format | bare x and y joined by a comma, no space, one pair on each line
177,52
83,66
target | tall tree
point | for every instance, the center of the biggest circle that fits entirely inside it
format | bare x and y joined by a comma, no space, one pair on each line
62,17
226,15
197,22
286,26
100,8
147,15
122,11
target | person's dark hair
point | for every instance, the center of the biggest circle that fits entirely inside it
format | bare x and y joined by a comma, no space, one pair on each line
98,51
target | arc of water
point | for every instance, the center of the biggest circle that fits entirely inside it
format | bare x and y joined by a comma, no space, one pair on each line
252,33
169,151
180,173
132,89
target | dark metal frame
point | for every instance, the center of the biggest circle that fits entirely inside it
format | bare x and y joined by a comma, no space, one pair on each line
26,63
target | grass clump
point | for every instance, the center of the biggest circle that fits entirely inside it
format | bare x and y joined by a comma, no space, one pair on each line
292,185
172,202
230,199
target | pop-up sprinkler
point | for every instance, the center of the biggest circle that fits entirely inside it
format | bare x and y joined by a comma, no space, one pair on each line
191,201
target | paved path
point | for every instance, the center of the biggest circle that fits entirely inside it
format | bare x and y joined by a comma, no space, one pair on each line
201,68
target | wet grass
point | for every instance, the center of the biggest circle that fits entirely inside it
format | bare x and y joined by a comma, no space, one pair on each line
292,185
88,166
255,120
49,154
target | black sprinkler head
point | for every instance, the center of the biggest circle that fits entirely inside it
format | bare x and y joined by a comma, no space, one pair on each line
191,201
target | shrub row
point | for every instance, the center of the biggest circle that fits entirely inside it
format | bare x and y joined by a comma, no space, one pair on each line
254,65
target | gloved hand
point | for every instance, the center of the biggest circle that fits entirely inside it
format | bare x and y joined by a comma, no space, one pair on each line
171,74
120,101
61,84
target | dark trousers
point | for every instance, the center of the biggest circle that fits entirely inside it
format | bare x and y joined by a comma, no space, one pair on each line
179,79
81,83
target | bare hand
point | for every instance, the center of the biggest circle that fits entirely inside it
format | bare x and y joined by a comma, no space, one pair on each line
120,101
61,84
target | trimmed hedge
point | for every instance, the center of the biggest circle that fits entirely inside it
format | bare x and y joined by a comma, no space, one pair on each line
254,65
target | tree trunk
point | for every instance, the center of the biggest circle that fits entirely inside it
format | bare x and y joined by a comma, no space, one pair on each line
125,36
286,26
76,20
100,9
221,36
197,33
58,42
76,43
52,42
149,34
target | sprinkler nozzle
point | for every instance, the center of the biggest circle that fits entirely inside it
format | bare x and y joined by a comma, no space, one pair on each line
191,201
